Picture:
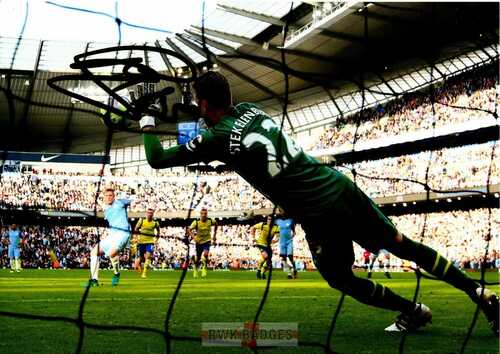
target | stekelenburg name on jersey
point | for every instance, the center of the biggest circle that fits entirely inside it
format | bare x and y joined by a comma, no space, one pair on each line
237,129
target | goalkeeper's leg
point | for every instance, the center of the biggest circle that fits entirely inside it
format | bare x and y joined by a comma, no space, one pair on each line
334,259
432,262
440,267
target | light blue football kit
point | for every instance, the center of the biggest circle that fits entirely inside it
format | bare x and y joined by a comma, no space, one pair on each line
286,236
14,240
119,230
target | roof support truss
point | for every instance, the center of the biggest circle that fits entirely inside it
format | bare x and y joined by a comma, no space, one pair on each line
249,14
229,68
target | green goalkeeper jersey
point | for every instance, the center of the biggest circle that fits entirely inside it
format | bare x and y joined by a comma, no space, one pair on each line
251,143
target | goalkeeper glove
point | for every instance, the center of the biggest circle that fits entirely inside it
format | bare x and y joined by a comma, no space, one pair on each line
147,122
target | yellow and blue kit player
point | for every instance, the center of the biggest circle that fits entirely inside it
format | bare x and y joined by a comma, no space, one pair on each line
148,230
267,234
201,231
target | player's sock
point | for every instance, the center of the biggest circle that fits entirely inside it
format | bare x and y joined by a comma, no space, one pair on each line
195,268
115,264
386,270
375,294
263,269
94,267
204,261
147,262
261,263
18,264
435,264
284,265
290,257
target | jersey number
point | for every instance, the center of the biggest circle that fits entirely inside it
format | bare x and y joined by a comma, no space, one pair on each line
273,166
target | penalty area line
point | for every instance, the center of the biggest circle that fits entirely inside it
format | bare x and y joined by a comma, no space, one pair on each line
149,299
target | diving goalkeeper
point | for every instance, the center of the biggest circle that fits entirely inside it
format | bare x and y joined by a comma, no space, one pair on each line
317,197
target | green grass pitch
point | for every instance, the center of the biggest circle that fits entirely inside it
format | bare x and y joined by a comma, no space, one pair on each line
224,297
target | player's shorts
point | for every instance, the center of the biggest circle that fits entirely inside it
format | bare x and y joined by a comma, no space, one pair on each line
14,252
142,248
115,240
354,217
286,246
201,247
266,249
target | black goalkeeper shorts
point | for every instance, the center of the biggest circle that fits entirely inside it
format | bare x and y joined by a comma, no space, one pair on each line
355,217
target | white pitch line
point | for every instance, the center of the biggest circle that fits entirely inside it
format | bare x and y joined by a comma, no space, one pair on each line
168,299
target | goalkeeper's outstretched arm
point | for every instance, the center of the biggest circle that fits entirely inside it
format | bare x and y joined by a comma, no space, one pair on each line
158,157
201,148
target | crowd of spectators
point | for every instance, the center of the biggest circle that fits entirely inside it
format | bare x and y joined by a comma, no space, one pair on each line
450,169
78,193
414,112
459,235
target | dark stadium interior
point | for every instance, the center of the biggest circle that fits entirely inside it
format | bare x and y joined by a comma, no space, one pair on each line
402,37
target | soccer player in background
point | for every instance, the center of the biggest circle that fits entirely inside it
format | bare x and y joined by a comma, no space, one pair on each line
118,236
252,144
367,262
287,232
201,231
266,237
384,258
14,250
148,230
384,261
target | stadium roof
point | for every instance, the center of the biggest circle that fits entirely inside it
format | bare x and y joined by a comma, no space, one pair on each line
334,49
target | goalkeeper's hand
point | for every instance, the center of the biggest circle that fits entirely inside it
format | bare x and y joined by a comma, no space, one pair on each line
147,123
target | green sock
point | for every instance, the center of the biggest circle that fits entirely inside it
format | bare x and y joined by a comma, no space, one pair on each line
435,264
375,294
204,262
